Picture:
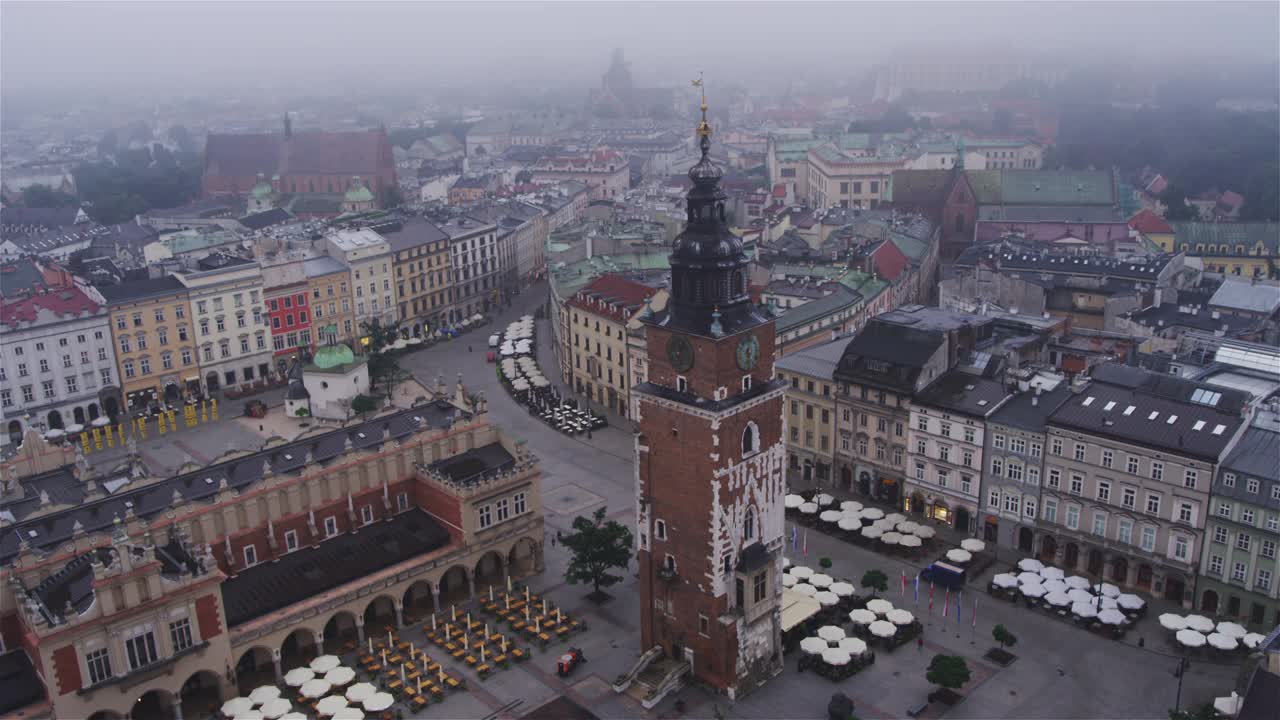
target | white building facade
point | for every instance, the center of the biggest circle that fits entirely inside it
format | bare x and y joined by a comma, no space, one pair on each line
368,255
232,334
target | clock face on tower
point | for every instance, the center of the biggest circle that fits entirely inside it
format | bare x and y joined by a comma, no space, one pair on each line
748,352
680,353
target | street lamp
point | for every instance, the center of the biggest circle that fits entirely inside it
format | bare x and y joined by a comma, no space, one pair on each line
1179,672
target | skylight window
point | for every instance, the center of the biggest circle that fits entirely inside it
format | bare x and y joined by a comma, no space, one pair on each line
1110,404
1129,410
1154,414
1087,401
1217,429
1206,397
1172,419
1198,426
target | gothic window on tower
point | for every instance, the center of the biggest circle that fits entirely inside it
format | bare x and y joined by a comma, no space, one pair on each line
749,525
660,530
750,440
682,383
746,383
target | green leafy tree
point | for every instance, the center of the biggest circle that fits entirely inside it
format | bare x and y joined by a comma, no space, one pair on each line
1201,712
1175,199
43,196
362,404
948,671
1003,636
597,546
876,580
380,336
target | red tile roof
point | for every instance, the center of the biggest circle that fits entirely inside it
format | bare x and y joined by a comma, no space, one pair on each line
1148,222
613,296
61,302
889,261
362,152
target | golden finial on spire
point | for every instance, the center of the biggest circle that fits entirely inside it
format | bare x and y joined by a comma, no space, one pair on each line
704,129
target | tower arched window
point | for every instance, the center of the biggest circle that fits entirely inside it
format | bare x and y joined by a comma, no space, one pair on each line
749,525
750,439
737,283
960,222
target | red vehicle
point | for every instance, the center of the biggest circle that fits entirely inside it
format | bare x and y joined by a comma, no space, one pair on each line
491,357
569,661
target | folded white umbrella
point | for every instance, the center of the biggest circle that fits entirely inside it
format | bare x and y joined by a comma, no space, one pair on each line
1191,638
814,645
1172,621
826,598
849,524
1058,599
862,616
378,702
853,645
801,572
340,676
835,656
1230,629
235,706
850,505
1223,642
297,676
361,690
315,688
1030,564
883,628
1107,590
325,663
264,693
1200,623
788,580
1075,581
871,531
809,508
821,580
913,541
1052,573
842,589
1083,609
1033,590
973,545
1004,580
330,704
898,616
831,633
348,713
805,589
1129,601
1252,640
1111,617
275,708
907,527
1055,586
1081,596
293,716
924,532
891,538
1229,705
830,516
792,501
879,606
956,555
249,715
872,513
1028,576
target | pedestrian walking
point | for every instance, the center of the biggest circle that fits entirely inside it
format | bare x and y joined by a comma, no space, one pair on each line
920,644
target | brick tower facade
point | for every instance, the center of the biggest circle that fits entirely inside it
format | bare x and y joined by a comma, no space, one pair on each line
710,459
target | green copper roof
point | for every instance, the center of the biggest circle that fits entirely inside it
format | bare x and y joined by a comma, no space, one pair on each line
261,190
358,194
332,356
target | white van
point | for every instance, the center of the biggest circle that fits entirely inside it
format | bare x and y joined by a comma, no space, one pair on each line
495,340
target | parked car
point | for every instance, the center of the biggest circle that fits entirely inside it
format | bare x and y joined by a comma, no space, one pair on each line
944,574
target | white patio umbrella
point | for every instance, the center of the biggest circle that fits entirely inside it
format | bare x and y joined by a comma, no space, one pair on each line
850,506
788,580
911,541
821,580
1030,564
315,688
1233,630
1055,586
1229,705
1005,580
348,713
325,663
1223,642
872,513
1076,581
835,656
898,616
801,572
1252,640
908,527
361,690
1083,609
842,589
853,645
891,538
264,693
826,598
1107,590
1200,623
330,704
879,606
823,499
895,518
973,545
1172,621
249,715
378,702
885,524
805,589
1052,573
849,524
809,508
956,555
294,715
1190,638
1032,590
924,532
792,501
297,676
831,633
830,516
1058,599
862,616
1081,596
1111,617
871,531
1027,576
883,628
1106,603
235,706
340,676
1129,601
814,645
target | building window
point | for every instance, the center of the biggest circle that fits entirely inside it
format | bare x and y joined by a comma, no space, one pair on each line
1148,539
1186,513
1077,484
484,517
1108,458
141,650
504,509
1224,509
1157,470
1190,478
180,634
1239,572
993,499
1124,532
1181,548
1243,541
1079,452
1268,549
749,524
1128,498
99,664
1153,504
1100,524
518,500
997,441
250,555
1132,465
366,514
290,540
1263,580
660,530
1073,517
760,586
1056,446
1251,485
330,526
1215,564
1050,510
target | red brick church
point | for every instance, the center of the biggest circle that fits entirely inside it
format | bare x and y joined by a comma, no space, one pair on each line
310,162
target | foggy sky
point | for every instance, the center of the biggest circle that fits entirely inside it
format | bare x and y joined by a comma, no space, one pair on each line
191,47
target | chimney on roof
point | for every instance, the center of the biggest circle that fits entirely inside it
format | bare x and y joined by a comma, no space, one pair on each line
288,125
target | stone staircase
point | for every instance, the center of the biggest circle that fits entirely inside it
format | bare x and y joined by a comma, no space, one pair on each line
657,680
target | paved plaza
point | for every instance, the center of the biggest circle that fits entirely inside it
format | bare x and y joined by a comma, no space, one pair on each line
1062,671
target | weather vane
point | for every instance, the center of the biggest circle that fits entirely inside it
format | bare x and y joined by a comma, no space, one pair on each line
704,129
